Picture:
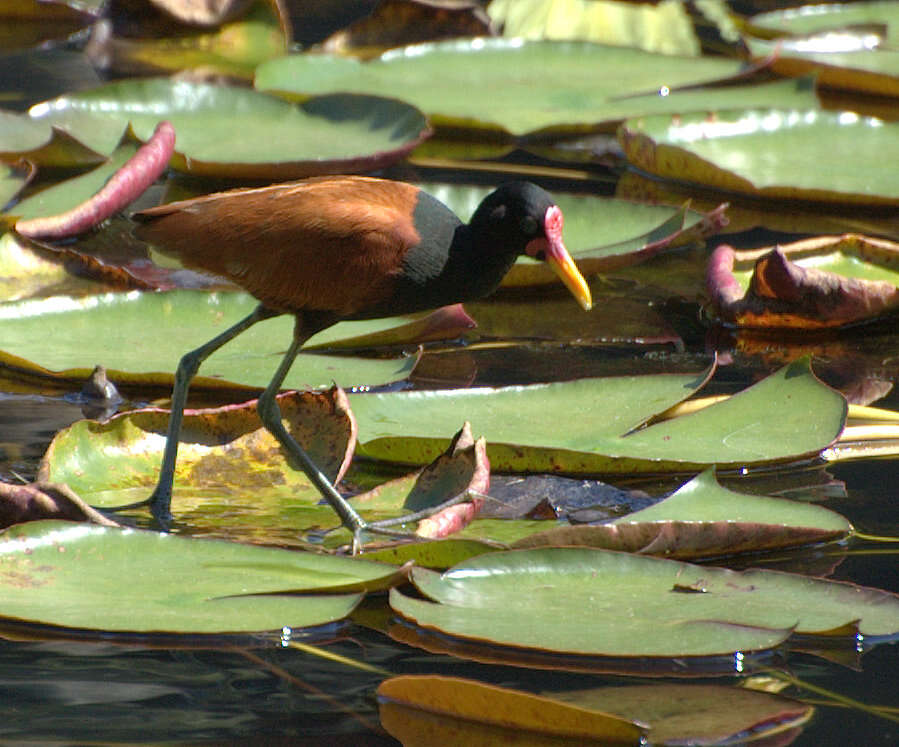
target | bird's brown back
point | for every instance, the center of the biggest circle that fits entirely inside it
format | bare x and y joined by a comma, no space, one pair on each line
329,243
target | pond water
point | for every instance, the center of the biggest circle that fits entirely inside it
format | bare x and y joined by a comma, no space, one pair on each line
257,691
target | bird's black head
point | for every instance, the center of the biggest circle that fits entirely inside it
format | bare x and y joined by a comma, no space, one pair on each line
521,218
511,217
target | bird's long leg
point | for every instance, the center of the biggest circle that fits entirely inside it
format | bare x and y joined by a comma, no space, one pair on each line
270,414
160,499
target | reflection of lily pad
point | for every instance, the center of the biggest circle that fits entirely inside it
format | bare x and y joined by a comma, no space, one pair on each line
574,601
262,136
812,155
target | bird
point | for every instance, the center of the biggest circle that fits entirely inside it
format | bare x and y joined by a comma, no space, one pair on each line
335,248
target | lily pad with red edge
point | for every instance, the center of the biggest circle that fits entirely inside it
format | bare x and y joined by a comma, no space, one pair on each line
100,580
125,181
772,153
703,519
847,45
463,470
444,323
858,68
336,133
706,611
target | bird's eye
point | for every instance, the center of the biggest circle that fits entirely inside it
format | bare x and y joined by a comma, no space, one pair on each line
528,225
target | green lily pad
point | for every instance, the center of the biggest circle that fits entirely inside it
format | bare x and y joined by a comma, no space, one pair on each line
135,334
570,600
585,426
847,45
441,553
578,84
38,142
262,136
777,154
97,578
12,179
70,193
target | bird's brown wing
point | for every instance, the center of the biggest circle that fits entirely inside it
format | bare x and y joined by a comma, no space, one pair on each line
330,243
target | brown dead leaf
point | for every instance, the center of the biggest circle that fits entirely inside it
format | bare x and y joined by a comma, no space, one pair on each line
784,294
395,23
44,500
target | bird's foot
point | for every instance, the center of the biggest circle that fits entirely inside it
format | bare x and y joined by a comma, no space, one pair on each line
386,526
159,508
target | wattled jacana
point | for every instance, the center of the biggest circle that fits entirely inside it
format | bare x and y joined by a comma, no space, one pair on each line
346,247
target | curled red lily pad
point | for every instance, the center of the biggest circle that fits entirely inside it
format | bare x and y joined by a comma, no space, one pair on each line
784,294
126,185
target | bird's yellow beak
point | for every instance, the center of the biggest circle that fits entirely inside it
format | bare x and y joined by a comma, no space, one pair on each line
551,249
563,265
